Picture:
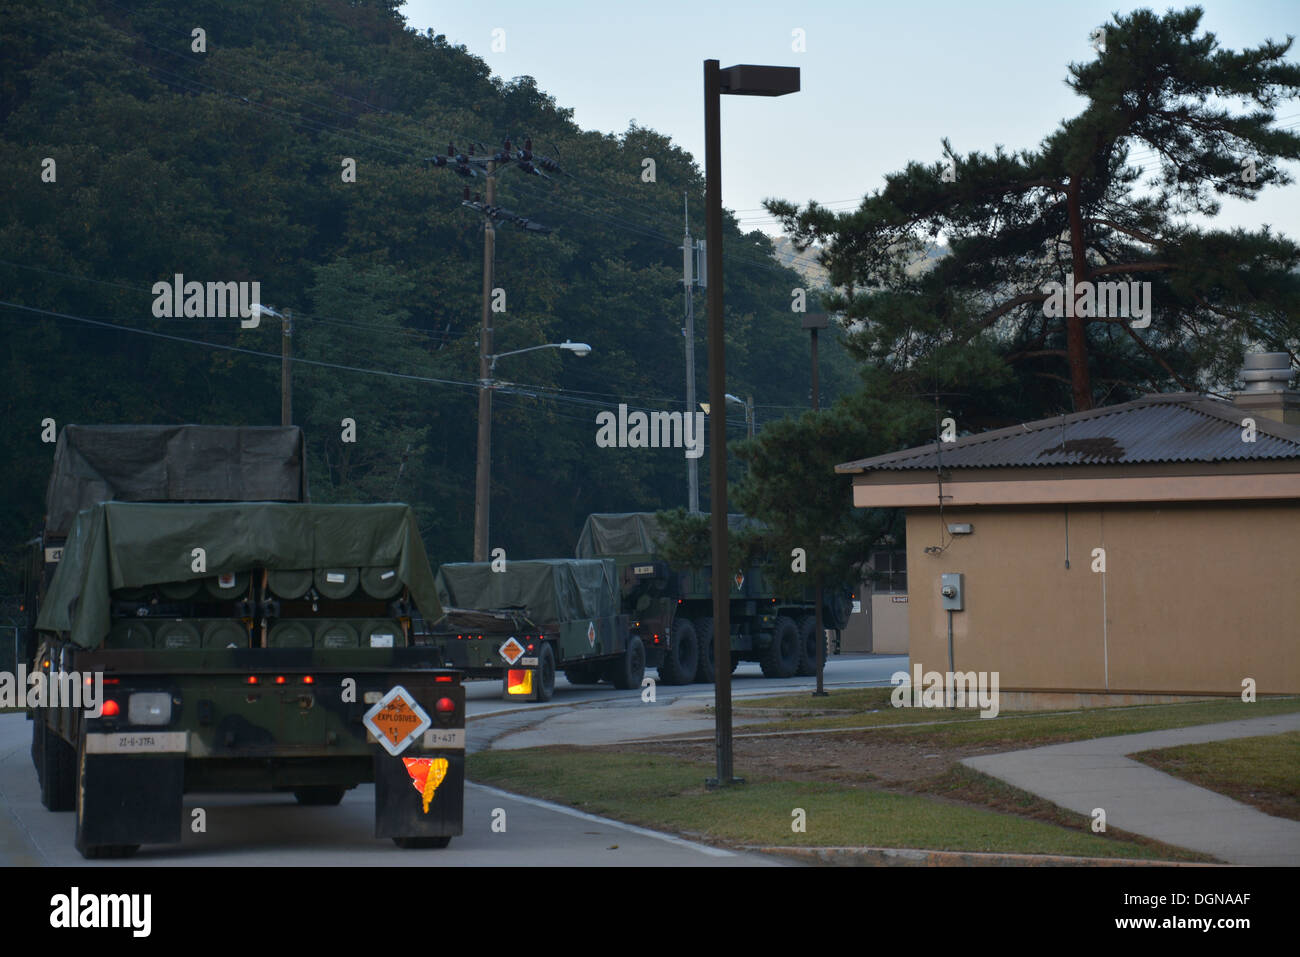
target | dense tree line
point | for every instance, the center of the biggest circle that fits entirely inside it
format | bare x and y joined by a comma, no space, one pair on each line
132,150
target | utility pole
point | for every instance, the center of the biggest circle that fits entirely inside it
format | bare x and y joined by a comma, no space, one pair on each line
812,322
688,283
286,377
484,469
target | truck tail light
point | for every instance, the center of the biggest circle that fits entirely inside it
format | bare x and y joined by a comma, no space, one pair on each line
252,679
445,706
308,680
279,679
443,679
111,708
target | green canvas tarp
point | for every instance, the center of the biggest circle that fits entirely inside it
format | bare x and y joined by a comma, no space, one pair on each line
171,463
127,544
547,590
629,533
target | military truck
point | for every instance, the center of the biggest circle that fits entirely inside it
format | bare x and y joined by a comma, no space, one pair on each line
231,645
672,608
520,621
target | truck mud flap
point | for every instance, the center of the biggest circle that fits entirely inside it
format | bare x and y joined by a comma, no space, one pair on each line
419,795
130,800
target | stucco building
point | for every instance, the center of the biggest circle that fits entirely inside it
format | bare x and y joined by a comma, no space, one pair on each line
1149,548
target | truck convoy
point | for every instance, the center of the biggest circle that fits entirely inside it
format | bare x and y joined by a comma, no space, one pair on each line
611,612
519,621
197,625
671,609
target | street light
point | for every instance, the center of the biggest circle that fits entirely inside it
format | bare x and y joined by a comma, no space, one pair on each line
745,79
286,380
813,321
482,495
748,406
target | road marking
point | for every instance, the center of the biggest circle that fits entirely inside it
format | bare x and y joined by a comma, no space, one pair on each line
583,815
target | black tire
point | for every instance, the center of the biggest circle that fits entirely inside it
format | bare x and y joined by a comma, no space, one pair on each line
59,770
682,656
705,670
627,671
807,646
92,852
422,843
582,675
319,796
545,673
782,656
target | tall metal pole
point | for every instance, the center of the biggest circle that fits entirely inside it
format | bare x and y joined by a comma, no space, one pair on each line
482,498
688,281
820,624
717,421
286,378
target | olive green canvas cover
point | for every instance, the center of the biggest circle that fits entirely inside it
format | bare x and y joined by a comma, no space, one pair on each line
629,533
129,544
171,463
547,590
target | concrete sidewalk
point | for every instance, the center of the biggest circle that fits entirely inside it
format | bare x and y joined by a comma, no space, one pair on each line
1083,775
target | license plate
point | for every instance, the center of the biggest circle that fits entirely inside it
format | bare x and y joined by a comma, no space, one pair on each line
528,661
135,742
53,555
643,569
450,739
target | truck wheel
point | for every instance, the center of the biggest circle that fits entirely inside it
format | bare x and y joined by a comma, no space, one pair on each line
704,671
782,656
319,796
628,670
421,843
545,673
807,646
59,770
582,675
93,851
682,656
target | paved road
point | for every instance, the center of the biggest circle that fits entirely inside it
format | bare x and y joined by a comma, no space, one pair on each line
252,830
842,671
1083,775
260,830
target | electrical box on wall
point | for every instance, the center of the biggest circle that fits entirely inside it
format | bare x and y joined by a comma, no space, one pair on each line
952,590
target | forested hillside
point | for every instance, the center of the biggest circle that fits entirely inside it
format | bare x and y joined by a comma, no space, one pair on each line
227,163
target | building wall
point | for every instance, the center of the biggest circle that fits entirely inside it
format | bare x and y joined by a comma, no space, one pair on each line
1194,598
889,624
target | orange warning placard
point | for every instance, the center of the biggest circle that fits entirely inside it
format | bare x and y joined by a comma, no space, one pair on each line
396,720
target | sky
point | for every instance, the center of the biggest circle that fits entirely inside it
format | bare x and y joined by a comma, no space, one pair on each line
881,83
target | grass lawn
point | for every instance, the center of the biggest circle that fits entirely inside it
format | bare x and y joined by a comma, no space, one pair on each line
1263,772
667,793
870,708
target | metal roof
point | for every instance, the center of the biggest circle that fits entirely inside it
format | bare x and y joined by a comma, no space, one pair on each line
1167,427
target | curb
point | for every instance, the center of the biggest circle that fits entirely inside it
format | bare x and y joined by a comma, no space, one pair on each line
915,857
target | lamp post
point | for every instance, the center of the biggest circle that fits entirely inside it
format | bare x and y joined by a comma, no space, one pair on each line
741,80
482,496
286,376
813,321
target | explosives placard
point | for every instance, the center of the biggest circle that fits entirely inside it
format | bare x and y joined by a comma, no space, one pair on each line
396,720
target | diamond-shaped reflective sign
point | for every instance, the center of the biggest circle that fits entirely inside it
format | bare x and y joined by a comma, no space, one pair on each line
396,720
591,633
511,651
